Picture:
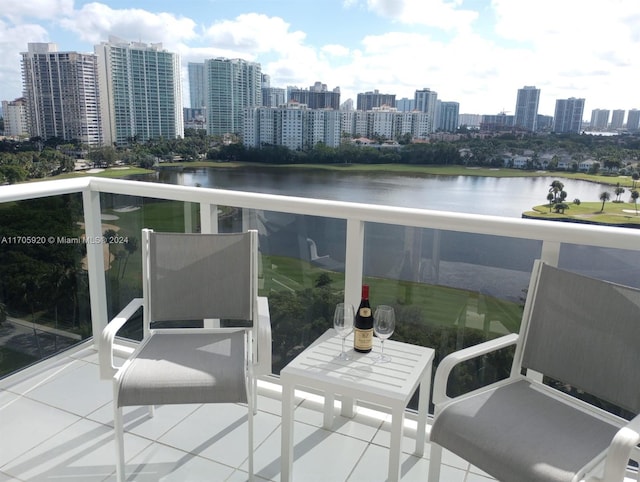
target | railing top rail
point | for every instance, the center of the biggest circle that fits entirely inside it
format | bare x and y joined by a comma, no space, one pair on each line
604,236
31,190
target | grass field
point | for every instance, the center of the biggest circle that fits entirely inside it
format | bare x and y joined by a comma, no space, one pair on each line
614,213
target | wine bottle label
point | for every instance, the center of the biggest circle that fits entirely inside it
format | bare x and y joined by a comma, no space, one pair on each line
363,339
365,312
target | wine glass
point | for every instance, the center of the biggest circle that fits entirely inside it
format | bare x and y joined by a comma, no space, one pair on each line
343,324
384,322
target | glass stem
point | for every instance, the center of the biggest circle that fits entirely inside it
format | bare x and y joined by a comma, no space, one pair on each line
343,345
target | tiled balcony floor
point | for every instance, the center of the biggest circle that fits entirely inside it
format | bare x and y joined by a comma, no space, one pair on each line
56,416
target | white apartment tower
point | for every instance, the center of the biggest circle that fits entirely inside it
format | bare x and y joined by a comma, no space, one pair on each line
568,116
15,118
61,94
140,92
232,85
197,91
526,115
425,100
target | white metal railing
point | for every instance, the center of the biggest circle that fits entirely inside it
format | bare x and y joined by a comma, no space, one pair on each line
551,234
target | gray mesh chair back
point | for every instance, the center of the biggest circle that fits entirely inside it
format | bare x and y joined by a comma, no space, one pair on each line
198,276
585,332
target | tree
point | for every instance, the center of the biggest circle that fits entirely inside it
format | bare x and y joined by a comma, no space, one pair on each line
557,191
634,198
618,191
604,197
550,199
635,176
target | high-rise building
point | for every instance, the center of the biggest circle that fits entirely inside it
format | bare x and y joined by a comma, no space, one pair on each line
470,120
425,100
405,104
369,100
232,86
448,119
318,96
271,96
61,94
196,84
633,120
617,119
527,108
568,116
599,119
140,92
15,118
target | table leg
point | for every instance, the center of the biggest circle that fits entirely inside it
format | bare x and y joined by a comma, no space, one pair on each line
423,410
395,444
286,457
348,407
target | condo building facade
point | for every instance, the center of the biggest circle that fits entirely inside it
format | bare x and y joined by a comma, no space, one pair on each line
140,92
61,94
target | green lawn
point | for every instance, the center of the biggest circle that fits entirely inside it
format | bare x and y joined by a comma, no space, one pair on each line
614,213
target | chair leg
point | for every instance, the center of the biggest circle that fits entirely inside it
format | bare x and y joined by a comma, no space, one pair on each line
251,411
119,441
435,459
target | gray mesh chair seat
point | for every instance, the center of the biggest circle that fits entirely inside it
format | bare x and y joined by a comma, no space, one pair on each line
517,433
203,368
579,331
203,277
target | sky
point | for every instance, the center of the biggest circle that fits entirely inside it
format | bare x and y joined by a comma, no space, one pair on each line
475,52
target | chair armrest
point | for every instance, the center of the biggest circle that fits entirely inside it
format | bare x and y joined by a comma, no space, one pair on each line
105,346
264,348
450,361
619,451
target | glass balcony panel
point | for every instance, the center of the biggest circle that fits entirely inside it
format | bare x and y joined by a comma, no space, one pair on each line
302,273
123,218
616,265
451,290
44,295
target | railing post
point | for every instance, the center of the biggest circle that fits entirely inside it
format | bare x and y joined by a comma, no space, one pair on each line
550,252
208,218
354,261
188,218
95,262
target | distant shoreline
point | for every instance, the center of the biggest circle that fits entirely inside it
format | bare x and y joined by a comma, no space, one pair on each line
424,170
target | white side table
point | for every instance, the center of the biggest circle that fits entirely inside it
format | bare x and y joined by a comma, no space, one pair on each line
389,384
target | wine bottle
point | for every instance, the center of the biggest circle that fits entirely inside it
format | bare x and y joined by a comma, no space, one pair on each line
363,324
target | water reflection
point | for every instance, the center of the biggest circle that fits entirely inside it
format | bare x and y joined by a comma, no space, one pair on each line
468,194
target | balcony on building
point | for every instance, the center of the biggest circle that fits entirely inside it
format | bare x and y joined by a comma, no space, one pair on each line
454,279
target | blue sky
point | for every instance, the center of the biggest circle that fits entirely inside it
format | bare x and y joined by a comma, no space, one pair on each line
475,52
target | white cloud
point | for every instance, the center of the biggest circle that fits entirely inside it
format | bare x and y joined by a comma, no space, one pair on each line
442,14
12,42
255,33
94,22
335,50
42,9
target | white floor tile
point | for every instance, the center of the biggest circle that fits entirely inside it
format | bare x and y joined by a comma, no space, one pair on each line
374,465
26,424
83,451
159,462
219,432
79,391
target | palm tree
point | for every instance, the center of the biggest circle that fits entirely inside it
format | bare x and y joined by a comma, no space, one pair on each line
557,190
619,191
634,198
550,199
604,197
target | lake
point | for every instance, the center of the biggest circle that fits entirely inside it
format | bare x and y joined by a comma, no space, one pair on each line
469,194
487,264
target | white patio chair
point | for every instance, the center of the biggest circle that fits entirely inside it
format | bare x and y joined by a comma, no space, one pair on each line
190,277
581,332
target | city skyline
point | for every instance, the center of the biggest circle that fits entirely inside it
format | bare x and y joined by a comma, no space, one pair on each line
474,52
